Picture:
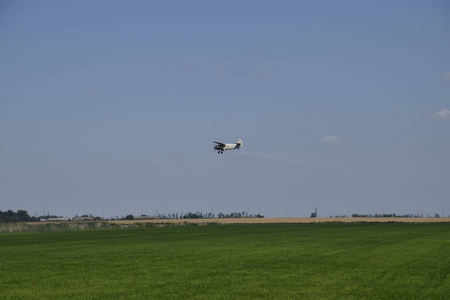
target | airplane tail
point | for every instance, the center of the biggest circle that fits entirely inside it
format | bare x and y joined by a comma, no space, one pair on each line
239,143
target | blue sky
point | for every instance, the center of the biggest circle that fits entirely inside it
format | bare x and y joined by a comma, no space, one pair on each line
112,106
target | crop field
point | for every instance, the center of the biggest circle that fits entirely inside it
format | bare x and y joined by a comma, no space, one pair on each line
284,220
232,261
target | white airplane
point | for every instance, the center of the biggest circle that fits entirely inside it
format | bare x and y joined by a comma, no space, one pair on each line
220,147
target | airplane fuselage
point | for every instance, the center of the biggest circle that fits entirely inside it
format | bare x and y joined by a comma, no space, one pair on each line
230,146
220,147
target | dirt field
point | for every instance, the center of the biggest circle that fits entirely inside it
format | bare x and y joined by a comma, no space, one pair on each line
288,220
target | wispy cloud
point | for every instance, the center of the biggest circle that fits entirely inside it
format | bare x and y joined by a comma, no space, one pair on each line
447,75
282,158
260,72
443,114
256,72
330,139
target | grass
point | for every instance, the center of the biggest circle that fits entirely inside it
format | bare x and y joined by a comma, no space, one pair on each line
241,261
53,226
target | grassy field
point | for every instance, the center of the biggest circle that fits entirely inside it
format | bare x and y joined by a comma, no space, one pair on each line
14,227
233,261
282,220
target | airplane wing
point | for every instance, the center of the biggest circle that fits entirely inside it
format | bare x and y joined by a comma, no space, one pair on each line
219,143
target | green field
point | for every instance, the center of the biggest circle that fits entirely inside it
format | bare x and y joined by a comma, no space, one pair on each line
240,261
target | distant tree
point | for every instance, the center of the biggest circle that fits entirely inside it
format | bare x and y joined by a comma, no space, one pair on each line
23,215
19,216
129,217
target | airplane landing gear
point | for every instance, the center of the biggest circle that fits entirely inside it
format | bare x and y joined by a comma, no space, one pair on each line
219,151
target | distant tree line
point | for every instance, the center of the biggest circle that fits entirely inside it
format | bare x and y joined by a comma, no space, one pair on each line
199,215
19,216
389,216
23,216
239,215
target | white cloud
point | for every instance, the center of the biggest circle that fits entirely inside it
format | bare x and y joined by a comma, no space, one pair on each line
443,114
330,139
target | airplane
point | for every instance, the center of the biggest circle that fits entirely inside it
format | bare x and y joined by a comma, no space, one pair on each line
220,147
